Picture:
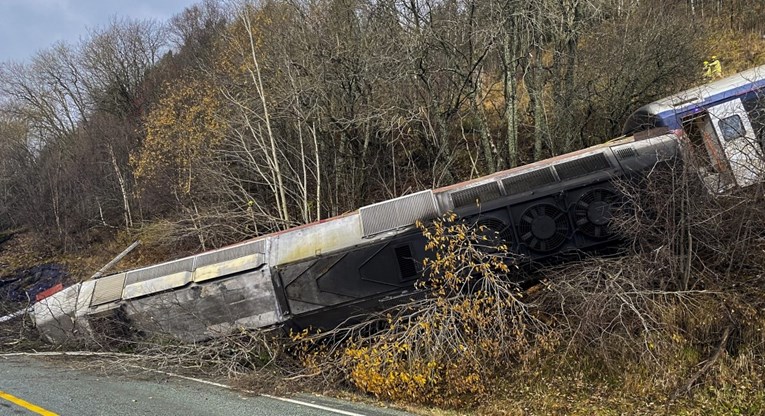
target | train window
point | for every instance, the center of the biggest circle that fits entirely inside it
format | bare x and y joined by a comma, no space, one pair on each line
731,127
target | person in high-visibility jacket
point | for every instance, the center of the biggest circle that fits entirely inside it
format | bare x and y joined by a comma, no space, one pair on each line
707,70
716,68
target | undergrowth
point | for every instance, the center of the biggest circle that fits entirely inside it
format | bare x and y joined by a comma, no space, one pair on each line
672,326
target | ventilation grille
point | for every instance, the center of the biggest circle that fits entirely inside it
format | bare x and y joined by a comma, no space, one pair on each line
185,265
528,181
593,212
108,289
396,213
543,227
625,153
406,262
231,253
494,230
583,166
477,194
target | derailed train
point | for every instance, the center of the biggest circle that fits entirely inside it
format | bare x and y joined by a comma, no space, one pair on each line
321,273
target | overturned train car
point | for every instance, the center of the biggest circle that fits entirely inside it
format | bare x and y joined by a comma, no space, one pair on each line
320,274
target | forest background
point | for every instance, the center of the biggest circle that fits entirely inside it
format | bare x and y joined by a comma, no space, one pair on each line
233,120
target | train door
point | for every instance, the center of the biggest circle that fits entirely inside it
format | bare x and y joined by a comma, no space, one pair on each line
737,138
706,152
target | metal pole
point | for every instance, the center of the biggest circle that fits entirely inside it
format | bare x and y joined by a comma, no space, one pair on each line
115,260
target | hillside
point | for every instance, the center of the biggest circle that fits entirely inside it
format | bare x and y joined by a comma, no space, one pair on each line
234,120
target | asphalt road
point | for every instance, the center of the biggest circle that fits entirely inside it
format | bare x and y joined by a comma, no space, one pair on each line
45,386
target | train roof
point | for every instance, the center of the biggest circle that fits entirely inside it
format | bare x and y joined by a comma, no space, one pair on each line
698,97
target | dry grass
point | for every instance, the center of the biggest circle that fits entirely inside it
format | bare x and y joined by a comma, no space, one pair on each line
672,326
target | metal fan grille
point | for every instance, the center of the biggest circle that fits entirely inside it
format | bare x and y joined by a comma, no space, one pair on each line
593,212
396,213
582,166
543,227
494,229
528,181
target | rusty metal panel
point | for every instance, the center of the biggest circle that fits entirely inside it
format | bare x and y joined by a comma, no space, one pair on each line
108,289
153,272
397,213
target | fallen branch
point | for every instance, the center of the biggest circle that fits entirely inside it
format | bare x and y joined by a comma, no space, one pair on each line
686,388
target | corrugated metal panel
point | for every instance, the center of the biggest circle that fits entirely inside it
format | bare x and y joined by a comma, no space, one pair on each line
230,253
108,289
225,268
582,166
142,275
396,213
527,181
476,194
159,284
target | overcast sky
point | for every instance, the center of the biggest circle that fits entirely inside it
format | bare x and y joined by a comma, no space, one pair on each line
27,26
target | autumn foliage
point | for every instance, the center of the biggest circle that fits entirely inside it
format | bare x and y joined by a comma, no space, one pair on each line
182,131
449,347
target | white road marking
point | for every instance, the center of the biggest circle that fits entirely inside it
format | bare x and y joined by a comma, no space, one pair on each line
315,406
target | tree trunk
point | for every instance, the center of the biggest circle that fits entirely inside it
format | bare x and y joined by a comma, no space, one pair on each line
536,87
258,81
123,190
483,132
510,55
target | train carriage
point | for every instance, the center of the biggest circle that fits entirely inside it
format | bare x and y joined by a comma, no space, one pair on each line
320,274
724,121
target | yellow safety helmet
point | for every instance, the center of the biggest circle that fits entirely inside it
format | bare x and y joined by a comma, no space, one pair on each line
714,58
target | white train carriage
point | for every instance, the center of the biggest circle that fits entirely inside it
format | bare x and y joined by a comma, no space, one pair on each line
321,274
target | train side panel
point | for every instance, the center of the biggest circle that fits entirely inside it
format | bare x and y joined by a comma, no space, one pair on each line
207,309
61,317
